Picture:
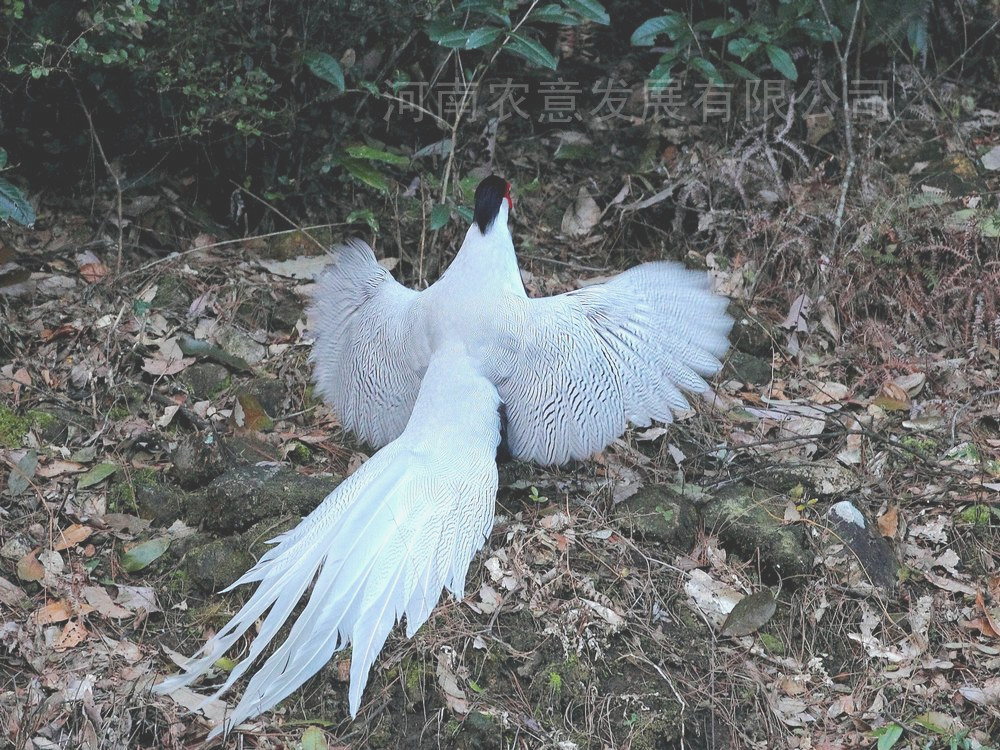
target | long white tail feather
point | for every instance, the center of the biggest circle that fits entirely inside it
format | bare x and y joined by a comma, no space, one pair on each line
382,545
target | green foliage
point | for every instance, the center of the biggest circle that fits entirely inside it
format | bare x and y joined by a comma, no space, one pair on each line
555,682
887,736
534,497
13,205
13,428
477,24
326,67
733,41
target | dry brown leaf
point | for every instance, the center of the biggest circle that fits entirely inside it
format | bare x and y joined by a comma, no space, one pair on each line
912,384
58,467
830,392
72,536
894,393
73,634
454,695
97,597
10,594
93,272
888,522
157,366
28,567
581,216
988,615
56,611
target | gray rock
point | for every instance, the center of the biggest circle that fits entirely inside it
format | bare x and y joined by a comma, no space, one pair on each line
853,548
749,520
659,514
244,495
205,379
215,565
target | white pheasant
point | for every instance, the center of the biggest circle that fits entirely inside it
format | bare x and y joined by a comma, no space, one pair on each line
439,378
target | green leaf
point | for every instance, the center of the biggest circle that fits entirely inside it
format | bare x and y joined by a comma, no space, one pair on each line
440,215
960,220
468,38
742,47
740,70
531,51
661,76
781,61
440,27
750,614
888,736
590,10
487,7
818,31
990,226
98,474
326,67
555,14
726,28
375,154
365,215
141,555
364,172
3,157
465,213
673,25
916,35
708,70
14,206
20,477
709,24
440,148
313,739
922,200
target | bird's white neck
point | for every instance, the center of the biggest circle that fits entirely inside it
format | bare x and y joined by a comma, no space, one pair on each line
488,260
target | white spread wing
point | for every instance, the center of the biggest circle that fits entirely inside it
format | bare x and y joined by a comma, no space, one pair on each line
368,362
573,369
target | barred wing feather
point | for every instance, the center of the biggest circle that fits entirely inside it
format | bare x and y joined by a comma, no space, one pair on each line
573,369
368,362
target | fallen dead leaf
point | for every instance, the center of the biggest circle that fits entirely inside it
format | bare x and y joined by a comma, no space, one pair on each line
59,611
454,695
58,467
10,594
101,601
28,567
72,536
888,522
73,634
581,216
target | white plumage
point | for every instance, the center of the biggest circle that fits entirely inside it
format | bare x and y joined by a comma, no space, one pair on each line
428,375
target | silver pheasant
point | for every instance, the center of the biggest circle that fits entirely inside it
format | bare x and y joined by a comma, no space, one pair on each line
438,378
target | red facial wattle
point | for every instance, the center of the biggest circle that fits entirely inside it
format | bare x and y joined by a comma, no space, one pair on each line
510,201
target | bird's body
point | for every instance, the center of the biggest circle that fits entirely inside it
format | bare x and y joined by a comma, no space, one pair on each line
435,377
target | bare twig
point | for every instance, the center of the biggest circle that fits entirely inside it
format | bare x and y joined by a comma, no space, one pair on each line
842,56
276,210
114,175
223,243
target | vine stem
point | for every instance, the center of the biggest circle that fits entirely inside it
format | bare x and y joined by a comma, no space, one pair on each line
465,98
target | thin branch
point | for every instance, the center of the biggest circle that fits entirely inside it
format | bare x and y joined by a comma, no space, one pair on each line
114,175
842,56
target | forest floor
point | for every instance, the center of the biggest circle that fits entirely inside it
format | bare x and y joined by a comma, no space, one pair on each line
864,370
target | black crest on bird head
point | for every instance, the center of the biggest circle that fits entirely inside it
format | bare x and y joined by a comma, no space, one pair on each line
490,195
